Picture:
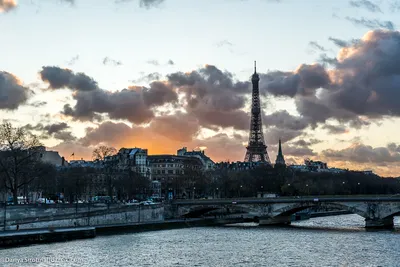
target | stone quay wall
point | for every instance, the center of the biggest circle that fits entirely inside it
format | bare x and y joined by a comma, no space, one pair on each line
70,215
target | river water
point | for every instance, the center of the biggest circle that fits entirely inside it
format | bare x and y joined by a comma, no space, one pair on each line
329,241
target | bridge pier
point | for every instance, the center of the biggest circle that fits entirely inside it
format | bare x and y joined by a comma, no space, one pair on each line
376,223
274,220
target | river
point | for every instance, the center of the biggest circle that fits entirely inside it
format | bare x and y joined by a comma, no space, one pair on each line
328,241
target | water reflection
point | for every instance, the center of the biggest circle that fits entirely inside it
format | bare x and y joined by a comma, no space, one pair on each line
306,243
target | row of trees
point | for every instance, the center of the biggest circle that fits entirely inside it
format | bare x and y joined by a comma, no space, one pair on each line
21,170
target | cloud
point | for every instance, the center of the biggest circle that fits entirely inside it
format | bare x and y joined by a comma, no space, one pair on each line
110,61
170,62
342,43
213,96
57,130
335,129
361,87
163,136
150,3
273,134
73,60
304,143
361,153
283,119
223,43
372,24
316,46
394,6
153,62
56,127
304,80
38,104
59,78
133,104
7,5
12,92
297,151
148,77
368,5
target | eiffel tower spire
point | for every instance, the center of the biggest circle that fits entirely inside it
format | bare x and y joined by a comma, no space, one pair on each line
256,149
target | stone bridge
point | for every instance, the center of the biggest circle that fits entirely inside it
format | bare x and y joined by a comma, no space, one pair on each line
378,211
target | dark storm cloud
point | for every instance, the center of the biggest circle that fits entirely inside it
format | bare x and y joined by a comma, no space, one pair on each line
7,5
304,143
133,104
12,92
303,81
297,151
368,5
361,153
362,86
58,78
65,136
393,147
372,23
56,130
112,62
335,129
273,134
48,129
282,119
56,127
213,96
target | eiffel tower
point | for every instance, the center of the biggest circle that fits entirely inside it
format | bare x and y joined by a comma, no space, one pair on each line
256,149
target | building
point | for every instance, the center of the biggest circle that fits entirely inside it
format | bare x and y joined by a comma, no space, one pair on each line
208,164
238,166
134,159
51,157
175,173
315,165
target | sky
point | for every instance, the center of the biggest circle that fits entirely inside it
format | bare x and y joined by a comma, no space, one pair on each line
166,74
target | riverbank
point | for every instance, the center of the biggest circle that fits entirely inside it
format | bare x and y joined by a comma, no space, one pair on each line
37,236
27,237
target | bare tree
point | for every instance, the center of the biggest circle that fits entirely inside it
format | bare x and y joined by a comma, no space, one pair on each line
102,152
18,157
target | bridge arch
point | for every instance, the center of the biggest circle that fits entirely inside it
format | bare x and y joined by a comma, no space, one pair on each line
292,208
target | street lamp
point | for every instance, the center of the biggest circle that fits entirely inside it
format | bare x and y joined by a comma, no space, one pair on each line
194,188
240,190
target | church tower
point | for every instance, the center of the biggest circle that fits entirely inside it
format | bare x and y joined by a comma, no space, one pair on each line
280,160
